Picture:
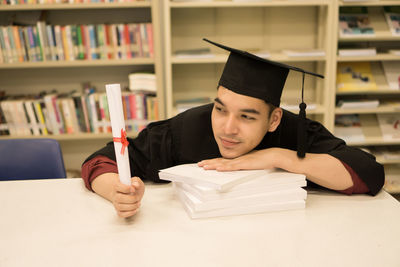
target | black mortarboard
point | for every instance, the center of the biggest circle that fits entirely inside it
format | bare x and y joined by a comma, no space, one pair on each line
248,74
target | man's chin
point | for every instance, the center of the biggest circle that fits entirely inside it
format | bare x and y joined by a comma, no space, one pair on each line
229,154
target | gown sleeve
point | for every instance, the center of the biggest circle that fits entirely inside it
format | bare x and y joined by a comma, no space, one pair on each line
149,152
320,140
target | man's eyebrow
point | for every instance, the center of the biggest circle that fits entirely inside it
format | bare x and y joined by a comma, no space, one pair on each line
219,101
250,110
246,110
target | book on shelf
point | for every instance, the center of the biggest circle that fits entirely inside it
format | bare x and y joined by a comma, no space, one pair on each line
355,76
188,103
392,15
46,42
355,22
387,152
348,127
72,113
304,52
358,103
292,105
260,53
395,52
192,0
142,82
389,125
194,53
352,1
262,191
355,52
392,73
34,2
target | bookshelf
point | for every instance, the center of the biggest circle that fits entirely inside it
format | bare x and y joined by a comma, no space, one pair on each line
186,23
33,77
383,40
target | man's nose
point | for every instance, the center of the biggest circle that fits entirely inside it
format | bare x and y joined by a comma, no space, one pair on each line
231,125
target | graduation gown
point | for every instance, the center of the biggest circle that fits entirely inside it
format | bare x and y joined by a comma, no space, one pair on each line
188,138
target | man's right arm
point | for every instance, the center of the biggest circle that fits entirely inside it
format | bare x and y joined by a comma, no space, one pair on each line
100,175
126,199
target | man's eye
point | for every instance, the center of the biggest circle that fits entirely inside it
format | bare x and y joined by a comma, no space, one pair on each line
219,109
246,117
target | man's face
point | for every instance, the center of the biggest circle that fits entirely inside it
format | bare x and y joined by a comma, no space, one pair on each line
239,122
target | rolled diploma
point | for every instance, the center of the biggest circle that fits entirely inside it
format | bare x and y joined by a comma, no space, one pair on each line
117,123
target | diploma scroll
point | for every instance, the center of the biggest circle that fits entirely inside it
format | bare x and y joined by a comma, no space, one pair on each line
118,131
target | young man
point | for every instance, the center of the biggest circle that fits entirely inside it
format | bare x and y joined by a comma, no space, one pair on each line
243,129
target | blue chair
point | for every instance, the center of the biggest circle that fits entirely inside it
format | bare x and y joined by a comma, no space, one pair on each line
22,159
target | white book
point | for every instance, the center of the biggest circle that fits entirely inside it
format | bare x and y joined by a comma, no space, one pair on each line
358,104
259,208
222,181
304,52
262,53
274,181
392,73
395,52
348,127
349,1
243,201
295,107
239,193
393,20
357,52
33,123
192,0
390,126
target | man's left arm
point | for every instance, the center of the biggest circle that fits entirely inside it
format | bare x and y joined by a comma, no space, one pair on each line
322,169
341,172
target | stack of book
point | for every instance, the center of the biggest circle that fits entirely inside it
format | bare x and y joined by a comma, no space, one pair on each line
209,193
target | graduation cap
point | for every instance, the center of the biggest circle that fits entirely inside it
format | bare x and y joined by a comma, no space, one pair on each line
247,74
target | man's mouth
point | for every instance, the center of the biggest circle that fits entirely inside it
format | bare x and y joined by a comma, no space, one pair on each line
228,143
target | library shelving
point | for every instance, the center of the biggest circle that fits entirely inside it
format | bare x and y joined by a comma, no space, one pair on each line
264,28
27,78
383,40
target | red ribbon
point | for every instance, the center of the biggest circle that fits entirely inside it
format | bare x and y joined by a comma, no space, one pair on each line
122,140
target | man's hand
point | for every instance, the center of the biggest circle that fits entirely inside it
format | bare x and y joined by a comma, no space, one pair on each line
255,160
126,199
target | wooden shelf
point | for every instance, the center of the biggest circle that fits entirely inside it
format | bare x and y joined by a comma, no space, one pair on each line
380,109
382,91
249,4
378,57
392,189
382,160
221,58
374,141
78,63
318,110
22,7
67,137
371,3
385,36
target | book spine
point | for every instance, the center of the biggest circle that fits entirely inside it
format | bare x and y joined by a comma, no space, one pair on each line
59,42
20,57
24,44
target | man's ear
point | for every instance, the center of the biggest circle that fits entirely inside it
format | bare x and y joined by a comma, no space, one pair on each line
275,119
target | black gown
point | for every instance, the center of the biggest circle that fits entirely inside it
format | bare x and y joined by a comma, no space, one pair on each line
188,138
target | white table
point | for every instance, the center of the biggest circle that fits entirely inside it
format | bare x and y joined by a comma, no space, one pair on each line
60,223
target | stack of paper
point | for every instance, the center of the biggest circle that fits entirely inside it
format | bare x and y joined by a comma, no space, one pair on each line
209,193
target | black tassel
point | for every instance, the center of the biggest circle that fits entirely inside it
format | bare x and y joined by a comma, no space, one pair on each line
301,127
